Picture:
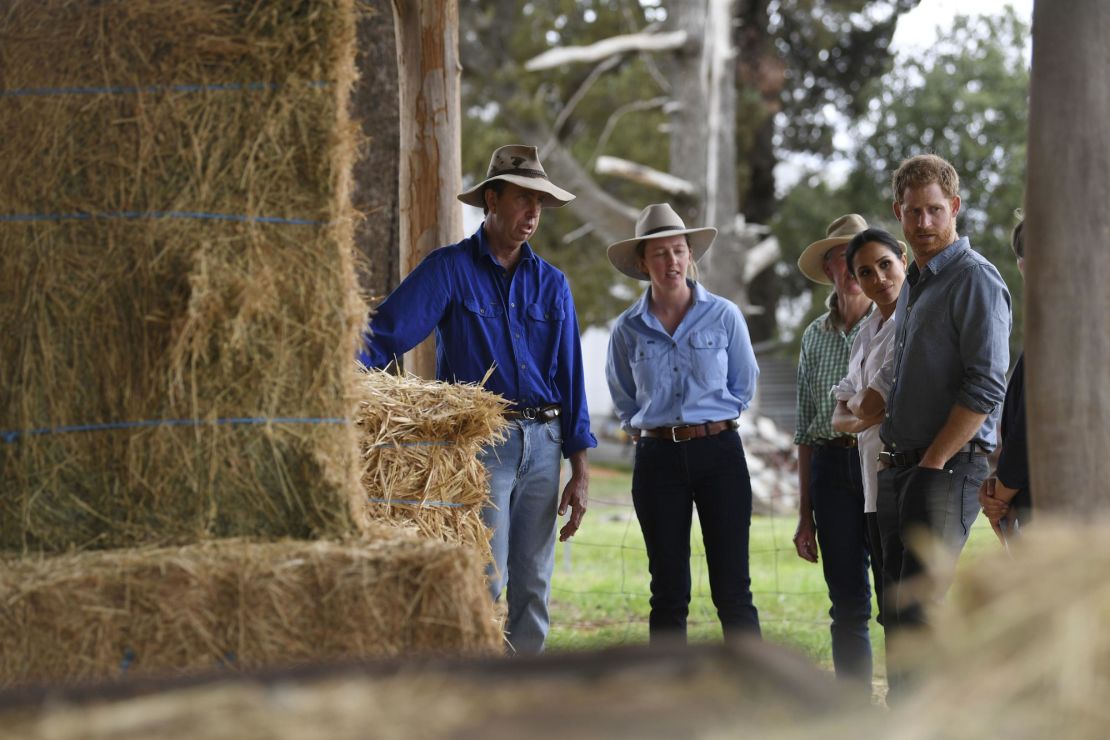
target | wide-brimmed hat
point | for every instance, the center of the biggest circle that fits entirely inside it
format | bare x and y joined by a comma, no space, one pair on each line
656,221
520,165
840,231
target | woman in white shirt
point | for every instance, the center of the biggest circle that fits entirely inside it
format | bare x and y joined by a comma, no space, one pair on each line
878,261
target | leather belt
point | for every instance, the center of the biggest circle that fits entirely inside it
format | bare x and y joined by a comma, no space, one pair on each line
849,442
690,431
909,458
533,413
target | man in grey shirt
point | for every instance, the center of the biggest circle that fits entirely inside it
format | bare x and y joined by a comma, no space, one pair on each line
949,362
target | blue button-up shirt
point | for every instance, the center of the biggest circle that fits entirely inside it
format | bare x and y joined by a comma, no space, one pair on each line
523,326
705,372
952,347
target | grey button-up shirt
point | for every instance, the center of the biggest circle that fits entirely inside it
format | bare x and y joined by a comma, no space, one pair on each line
951,347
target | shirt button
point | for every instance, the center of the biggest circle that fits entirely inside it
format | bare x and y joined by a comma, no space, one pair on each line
512,305
675,369
523,366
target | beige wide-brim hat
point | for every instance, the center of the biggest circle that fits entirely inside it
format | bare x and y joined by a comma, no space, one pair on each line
520,165
655,222
840,231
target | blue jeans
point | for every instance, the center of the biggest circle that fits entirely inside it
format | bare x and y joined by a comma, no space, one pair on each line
836,493
943,503
669,479
522,512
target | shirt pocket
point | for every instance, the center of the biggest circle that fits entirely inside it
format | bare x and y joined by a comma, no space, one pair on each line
544,330
646,361
709,356
483,309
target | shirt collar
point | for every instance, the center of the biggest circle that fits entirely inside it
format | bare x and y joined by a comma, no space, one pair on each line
641,306
526,252
949,253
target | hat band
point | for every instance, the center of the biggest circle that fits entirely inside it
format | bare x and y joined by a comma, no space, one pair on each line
657,229
523,171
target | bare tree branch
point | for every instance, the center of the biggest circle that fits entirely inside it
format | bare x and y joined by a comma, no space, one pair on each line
644,175
611,123
605,48
760,257
576,98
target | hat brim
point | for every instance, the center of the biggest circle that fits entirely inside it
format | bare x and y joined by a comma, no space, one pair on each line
554,196
622,255
812,261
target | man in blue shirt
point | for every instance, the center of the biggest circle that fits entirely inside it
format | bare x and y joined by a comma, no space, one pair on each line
948,368
497,308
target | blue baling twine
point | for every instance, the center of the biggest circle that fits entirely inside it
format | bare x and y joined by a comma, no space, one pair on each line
82,216
133,89
13,435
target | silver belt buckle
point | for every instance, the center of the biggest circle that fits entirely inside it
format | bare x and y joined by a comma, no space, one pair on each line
675,439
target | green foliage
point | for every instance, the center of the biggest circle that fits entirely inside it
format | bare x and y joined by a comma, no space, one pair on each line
965,99
806,58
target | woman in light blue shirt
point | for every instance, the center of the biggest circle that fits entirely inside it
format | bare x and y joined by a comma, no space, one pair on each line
680,370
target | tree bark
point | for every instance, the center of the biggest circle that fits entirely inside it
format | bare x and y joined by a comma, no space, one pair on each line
1068,259
375,173
431,162
703,143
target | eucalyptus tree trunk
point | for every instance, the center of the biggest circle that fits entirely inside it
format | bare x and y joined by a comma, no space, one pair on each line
703,137
431,163
1068,259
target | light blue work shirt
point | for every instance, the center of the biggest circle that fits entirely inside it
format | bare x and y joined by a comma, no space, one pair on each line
705,372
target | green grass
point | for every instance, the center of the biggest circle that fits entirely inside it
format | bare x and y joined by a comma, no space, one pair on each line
600,587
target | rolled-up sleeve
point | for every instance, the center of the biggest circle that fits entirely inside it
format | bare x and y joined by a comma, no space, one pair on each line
981,309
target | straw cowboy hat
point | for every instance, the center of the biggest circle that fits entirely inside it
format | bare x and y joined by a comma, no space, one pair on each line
656,221
840,231
520,165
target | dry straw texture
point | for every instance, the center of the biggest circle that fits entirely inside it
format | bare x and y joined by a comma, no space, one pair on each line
82,616
420,445
159,157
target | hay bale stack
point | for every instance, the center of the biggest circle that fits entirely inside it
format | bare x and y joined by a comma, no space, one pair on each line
243,604
420,443
178,297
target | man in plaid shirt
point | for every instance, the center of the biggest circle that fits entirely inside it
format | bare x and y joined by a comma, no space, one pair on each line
830,481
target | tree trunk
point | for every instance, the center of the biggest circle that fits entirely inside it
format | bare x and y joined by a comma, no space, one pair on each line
375,174
703,140
431,161
1068,259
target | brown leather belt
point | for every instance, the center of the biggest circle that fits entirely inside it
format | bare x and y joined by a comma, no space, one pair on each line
837,442
690,431
542,413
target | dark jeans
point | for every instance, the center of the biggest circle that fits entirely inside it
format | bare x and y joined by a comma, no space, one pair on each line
943,503
669,479
836,493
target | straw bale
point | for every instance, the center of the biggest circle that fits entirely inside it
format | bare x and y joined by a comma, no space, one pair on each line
199,112
420,443
243,604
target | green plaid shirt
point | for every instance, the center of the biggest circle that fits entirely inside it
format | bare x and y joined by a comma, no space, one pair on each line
823,362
